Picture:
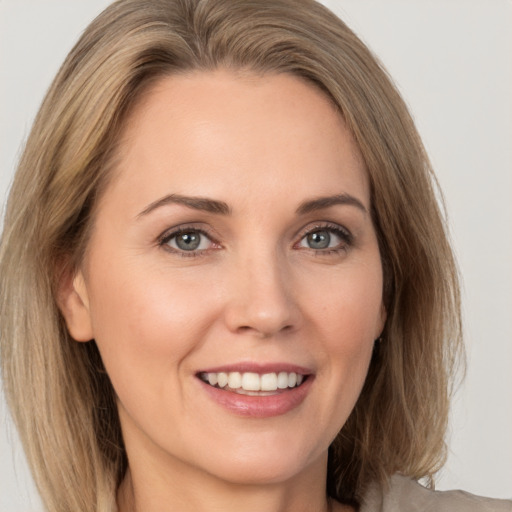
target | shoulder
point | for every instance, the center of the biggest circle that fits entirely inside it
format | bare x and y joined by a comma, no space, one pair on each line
406,495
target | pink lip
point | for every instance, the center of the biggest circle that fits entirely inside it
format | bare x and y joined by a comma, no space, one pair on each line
259,406
260,368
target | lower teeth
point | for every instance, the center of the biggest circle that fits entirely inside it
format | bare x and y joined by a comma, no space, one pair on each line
242,391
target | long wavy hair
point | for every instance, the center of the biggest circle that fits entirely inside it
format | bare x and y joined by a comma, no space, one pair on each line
60,396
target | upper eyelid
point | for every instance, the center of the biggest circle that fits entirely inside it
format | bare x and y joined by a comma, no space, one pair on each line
183,228
319,225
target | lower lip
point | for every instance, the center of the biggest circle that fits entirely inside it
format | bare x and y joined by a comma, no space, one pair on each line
260,406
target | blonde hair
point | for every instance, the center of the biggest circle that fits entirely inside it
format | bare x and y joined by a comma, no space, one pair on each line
60,397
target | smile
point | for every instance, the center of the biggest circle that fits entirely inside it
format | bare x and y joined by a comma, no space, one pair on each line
252,383
257,391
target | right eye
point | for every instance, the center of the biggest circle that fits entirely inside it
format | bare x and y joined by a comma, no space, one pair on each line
188,241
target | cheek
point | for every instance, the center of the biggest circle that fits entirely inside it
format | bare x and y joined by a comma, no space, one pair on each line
347,303
347,312
144,323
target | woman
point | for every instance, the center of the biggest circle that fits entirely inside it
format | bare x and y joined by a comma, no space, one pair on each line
219,271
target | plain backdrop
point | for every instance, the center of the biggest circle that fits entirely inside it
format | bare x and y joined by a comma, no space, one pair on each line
452,61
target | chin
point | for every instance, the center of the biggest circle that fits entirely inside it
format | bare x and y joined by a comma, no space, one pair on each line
263,465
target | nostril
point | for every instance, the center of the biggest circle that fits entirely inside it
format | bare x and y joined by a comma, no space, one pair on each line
262,332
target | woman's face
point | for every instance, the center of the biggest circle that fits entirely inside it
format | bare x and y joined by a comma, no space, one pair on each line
234,243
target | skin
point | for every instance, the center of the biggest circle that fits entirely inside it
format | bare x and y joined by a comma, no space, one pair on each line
255,290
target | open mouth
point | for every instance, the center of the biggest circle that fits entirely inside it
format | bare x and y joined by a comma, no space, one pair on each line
253,384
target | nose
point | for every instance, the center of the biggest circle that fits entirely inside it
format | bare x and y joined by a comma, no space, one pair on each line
261,299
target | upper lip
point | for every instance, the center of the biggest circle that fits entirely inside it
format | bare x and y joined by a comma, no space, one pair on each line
260,368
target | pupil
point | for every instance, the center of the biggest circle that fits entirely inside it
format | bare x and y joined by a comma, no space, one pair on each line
188,241
319,240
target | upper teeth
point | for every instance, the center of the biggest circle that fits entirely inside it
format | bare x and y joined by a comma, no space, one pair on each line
250,381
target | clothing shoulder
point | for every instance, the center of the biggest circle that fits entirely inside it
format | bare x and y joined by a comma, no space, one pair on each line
406,495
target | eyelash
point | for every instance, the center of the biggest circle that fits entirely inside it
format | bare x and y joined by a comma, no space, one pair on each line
166,237
342,233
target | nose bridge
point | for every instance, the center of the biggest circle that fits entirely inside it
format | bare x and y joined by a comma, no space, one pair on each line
261,292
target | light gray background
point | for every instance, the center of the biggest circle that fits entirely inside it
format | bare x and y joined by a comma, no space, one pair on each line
452,60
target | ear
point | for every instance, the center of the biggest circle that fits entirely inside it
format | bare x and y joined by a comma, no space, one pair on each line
73,301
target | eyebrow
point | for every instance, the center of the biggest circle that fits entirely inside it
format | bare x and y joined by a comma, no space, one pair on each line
196,203
222,208
322,203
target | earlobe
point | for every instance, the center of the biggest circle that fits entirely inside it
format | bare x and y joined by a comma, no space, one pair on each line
74,305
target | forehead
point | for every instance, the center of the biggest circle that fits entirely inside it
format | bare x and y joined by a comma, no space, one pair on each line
218,133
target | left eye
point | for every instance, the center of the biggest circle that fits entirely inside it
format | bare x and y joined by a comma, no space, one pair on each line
322,239
191,240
